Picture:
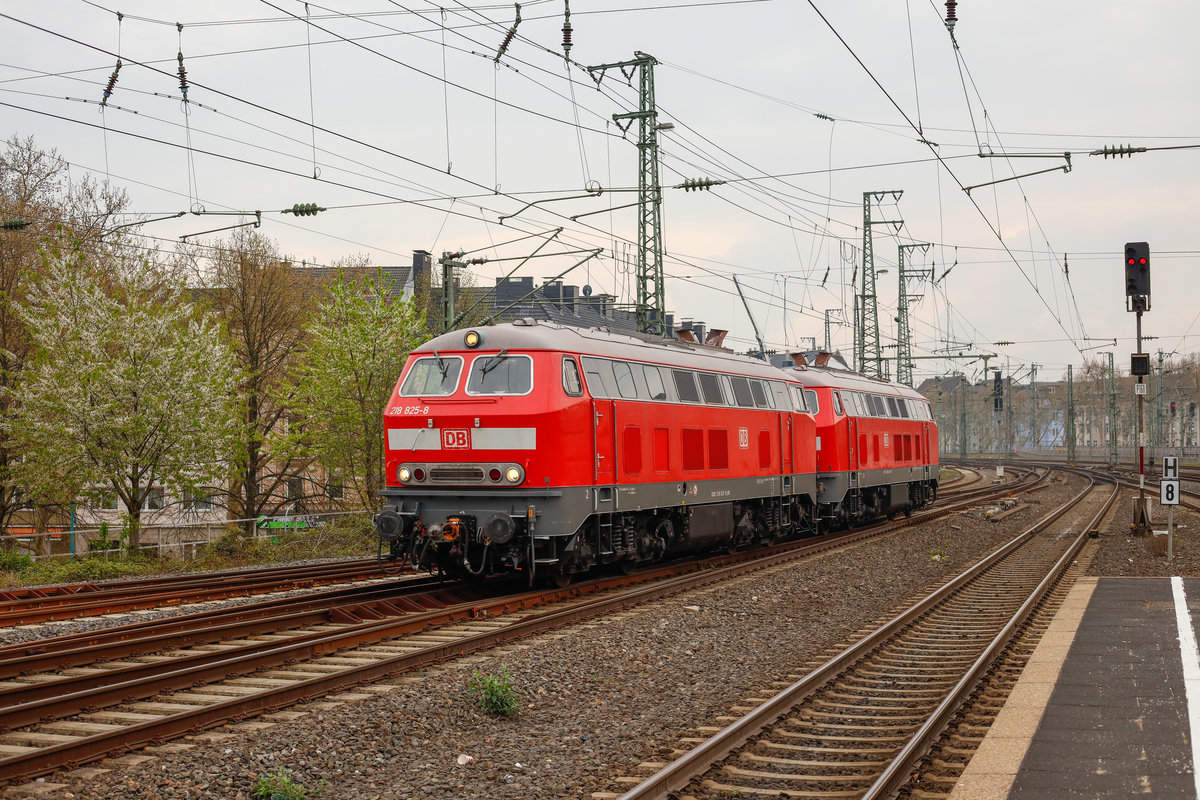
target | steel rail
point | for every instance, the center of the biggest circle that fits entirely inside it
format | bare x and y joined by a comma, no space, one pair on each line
108,598
91,747
899,771
679,773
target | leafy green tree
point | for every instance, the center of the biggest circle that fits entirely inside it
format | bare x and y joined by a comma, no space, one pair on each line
358,342
130,387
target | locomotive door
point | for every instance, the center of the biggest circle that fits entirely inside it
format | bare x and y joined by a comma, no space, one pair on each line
852,443
604,450
786,443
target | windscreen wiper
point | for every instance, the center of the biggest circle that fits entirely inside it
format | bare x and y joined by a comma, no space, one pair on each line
493,362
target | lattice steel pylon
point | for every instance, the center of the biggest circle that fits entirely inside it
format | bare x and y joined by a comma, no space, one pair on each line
869,353
651,295
904,359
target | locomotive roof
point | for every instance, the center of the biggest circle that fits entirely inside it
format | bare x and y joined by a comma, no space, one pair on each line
530,334
844,379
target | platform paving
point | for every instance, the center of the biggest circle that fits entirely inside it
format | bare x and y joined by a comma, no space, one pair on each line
1107,704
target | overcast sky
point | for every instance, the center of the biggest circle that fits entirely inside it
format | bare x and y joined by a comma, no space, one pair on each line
423,140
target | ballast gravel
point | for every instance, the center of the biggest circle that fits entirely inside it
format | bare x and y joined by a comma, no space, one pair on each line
596,699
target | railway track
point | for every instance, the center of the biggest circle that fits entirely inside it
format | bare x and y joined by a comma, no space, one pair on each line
861,725
34,604
73,699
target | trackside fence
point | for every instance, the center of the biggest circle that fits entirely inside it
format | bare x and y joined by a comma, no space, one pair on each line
181,540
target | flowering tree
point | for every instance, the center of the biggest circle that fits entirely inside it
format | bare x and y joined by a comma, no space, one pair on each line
48,211
358,342
131,388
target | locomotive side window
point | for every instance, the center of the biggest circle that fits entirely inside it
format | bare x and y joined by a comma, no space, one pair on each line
892,412
500,374
625,382
779,395
868,409
599,376
760,397
434,376
877,408
685,384
837,402
850,404
798,403
711,388
727,389
741,392
813,406
903,405
571,383
654,383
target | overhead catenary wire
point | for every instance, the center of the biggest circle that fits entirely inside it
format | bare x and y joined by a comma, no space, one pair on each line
988,222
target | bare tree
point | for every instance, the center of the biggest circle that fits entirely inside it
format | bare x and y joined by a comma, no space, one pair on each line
264,302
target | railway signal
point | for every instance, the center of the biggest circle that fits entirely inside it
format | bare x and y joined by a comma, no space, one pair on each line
1137,276
1137,298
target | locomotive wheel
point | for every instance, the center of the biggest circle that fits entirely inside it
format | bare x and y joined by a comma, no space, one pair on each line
557,579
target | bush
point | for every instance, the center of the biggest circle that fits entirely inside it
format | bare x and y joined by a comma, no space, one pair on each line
495,692
20,563
278,785
346,536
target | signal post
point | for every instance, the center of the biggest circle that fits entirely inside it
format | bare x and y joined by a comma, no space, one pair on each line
1137,299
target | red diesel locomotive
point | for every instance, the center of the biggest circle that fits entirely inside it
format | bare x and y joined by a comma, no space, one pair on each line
877,446
550,450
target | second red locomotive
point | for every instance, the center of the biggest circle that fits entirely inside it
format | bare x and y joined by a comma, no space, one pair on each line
877,445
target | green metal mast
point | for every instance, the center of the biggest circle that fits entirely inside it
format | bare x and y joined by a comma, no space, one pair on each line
1035,439
904,359
1112,412
651,299
962,415
1070,432
869,354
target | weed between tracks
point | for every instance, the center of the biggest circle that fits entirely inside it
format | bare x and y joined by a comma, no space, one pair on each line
495,692
278,785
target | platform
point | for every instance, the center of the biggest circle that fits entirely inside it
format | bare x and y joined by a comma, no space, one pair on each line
1109,704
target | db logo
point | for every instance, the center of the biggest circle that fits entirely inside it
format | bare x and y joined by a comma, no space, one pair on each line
456,439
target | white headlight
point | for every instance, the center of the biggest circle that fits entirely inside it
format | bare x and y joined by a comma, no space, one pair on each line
403,474
513,475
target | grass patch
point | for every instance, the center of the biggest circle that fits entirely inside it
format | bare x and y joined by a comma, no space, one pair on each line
348,536
278,785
